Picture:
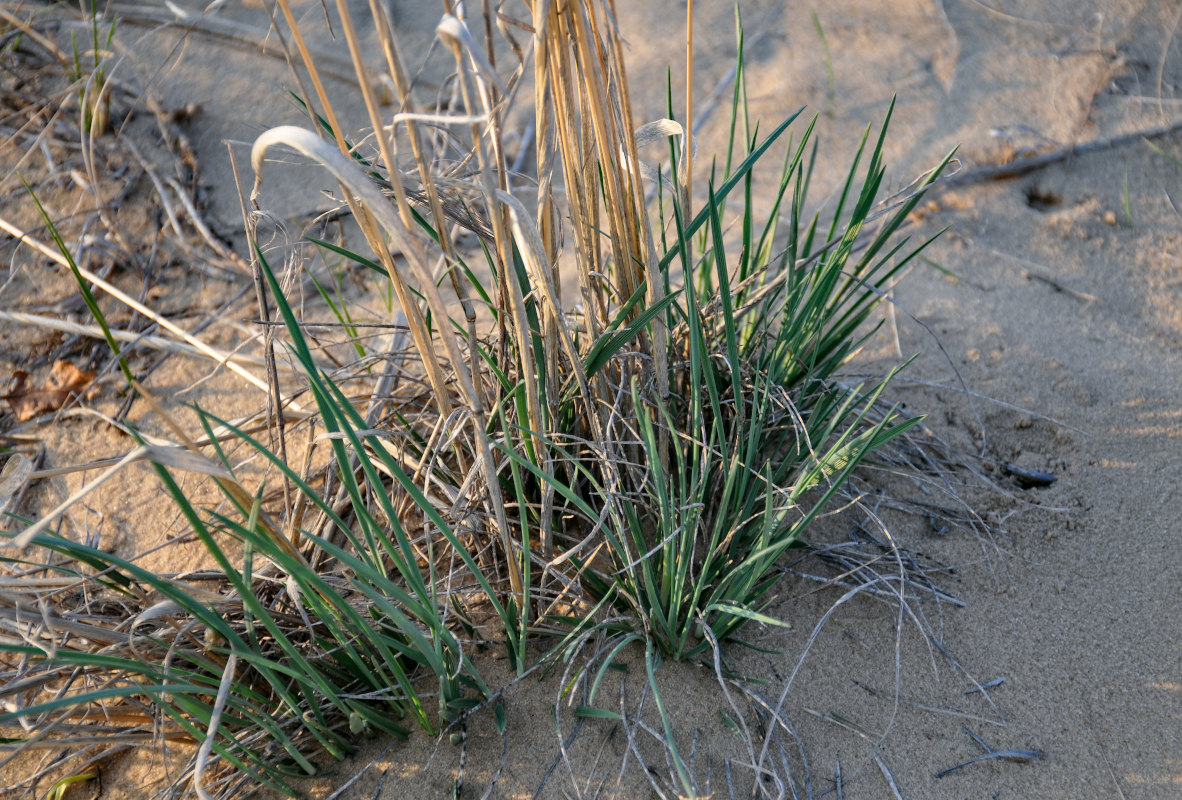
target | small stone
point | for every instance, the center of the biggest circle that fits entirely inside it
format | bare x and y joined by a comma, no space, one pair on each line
1110,218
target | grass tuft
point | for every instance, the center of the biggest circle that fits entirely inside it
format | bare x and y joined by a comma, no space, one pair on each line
614,437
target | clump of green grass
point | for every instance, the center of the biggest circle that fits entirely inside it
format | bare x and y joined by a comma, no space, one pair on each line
631,461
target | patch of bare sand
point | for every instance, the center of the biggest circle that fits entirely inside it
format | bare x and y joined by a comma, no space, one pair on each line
1065,305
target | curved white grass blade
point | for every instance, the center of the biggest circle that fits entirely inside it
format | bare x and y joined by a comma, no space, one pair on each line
179,12
352,178
529,242
165,608
450,27
655,131
437,119
215,720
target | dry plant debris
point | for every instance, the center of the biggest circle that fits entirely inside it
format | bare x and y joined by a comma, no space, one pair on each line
65,383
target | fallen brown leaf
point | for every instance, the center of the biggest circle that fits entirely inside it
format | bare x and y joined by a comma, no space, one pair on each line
65,382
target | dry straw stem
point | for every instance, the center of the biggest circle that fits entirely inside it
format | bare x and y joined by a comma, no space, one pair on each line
456,37
409,308
368,195
604,133
587,89
581,93
386,138
415,320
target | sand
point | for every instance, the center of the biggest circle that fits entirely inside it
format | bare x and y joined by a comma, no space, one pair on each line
1052,341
